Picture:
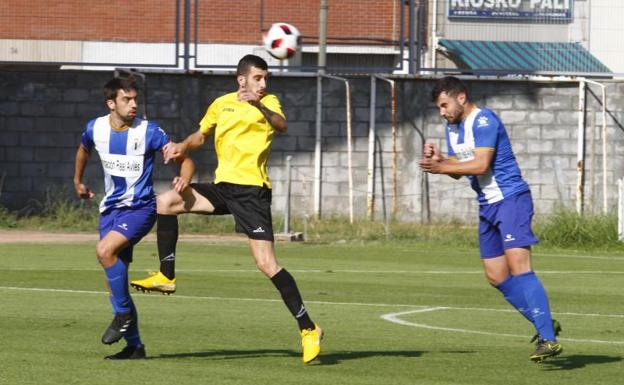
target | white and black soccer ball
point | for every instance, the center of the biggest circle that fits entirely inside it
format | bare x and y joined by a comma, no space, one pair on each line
282,40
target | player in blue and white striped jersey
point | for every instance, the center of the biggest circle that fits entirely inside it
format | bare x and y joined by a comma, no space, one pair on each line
127,155
126,146
479,148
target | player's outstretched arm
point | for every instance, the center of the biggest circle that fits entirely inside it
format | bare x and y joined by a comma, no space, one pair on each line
82,156
174,151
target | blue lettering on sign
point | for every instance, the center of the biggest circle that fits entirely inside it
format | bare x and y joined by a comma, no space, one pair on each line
529,10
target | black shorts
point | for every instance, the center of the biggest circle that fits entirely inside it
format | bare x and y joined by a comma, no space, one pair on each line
250,206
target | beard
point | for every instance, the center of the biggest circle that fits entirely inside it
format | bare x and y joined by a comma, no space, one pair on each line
453,119
456,118
128,118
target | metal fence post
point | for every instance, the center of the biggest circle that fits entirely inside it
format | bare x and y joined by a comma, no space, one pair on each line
187,33
411,26
420,35
287,235
621,209
287,200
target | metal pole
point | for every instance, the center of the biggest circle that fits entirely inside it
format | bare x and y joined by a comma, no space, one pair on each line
195,33
402,37
349,149
434,34
420,35
411,38
177,34
322,44
580,151
395,184
370,199
605,187
317,147
592,161
605,195
287,200
394,143
621,209
262,15
349,138
187,33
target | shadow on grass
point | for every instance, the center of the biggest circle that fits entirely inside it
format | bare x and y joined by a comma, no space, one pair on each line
329,358
578,361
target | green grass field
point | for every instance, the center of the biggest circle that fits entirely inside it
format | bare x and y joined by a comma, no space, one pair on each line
394,313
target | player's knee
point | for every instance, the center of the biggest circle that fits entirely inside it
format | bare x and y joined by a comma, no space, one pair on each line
268,266
104,254
164,203
495,278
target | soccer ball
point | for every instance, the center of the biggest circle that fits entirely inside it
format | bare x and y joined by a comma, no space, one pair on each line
281,40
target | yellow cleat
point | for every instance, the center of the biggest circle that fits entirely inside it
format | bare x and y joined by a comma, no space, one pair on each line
311,343
155,282
546,349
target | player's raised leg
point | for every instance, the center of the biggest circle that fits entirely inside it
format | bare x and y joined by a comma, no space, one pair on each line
169,205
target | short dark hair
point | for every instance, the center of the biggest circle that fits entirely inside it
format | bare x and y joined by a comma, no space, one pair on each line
248,61
449,84
115,84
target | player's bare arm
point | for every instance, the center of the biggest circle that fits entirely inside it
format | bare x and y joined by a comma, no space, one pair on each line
477,166
82,156
274,119
187,169
173,151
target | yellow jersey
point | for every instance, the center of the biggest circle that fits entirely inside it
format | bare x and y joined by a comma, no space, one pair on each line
242,138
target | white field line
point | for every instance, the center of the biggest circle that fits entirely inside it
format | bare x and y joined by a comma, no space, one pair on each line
391,317
395,318
329,271
605,257
421,308
539,255
209,298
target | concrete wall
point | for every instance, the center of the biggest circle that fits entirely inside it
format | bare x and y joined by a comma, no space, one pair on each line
42,114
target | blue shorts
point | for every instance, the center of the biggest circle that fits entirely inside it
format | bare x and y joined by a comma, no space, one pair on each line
506,224
132,223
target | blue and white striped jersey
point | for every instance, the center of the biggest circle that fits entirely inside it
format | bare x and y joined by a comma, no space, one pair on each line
127,159
483,129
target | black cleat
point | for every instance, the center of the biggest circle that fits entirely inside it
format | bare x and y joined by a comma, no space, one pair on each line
556,327
546,349
128,353
117,328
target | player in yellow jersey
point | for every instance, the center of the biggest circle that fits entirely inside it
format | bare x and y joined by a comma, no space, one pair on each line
243,123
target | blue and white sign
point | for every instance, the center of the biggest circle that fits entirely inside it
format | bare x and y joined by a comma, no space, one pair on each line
536,11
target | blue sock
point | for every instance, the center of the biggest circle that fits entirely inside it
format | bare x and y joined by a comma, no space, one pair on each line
117,276
537,300
132,336
514,294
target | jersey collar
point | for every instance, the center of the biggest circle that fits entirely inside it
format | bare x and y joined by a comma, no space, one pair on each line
118,129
